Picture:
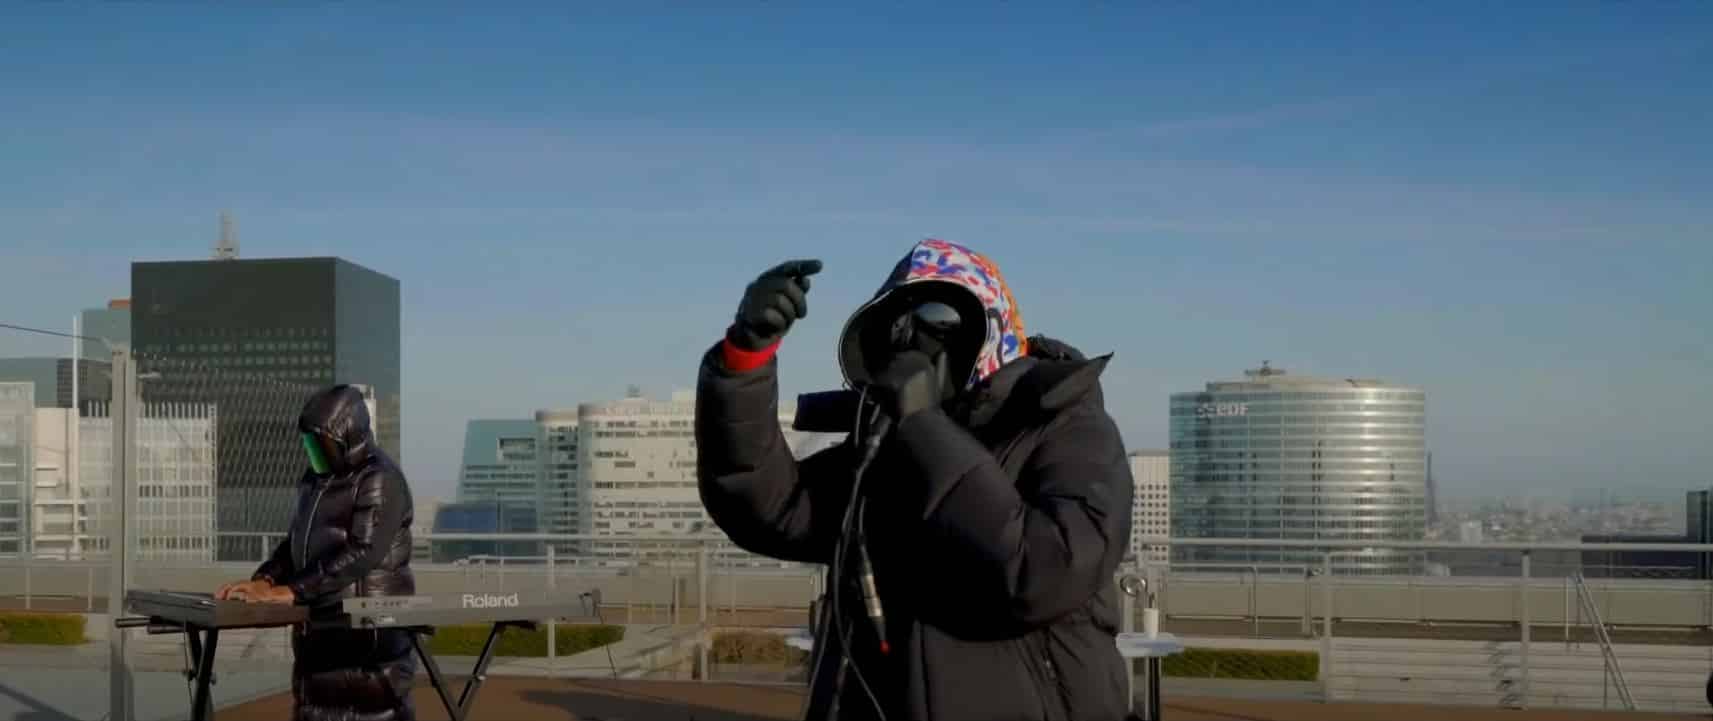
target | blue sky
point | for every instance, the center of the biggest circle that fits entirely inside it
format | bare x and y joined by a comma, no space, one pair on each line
1508,206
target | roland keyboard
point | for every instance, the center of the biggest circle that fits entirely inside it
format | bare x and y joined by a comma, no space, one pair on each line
467,608
201,619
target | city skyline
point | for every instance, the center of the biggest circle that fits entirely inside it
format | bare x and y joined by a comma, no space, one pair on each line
1507,214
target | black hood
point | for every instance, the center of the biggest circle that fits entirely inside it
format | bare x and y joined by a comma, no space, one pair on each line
340,415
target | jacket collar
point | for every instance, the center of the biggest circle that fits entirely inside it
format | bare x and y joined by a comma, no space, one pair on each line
1029,387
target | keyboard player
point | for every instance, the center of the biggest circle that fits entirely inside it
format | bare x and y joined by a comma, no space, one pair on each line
350,536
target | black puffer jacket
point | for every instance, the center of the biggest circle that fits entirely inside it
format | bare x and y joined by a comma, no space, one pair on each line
995,532
350,536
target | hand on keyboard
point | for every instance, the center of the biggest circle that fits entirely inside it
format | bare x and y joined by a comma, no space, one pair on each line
240,590
272,594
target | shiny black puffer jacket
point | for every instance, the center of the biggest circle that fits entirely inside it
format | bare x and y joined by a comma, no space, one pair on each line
349,536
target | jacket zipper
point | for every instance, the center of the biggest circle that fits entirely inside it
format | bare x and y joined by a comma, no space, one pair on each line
303,554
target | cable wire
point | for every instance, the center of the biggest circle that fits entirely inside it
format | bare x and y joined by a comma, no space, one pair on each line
841,625
58,334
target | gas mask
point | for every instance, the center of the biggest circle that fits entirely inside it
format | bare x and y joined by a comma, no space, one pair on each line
934,319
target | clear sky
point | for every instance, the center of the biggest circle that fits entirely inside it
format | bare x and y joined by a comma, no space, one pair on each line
1506,204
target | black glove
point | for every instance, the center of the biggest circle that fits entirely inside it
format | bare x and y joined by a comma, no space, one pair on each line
911,383
772,303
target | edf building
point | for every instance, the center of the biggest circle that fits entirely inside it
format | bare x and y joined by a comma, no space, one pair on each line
1277,456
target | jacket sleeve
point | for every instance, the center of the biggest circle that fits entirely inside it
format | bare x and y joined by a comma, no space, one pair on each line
1042,553
377,515
764,499
278,565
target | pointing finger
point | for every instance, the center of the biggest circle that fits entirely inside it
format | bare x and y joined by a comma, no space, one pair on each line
797,268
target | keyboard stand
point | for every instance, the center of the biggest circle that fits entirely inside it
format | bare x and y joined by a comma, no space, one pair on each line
203,643
460,709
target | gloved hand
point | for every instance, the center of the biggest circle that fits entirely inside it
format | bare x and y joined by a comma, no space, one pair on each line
911,383
772,303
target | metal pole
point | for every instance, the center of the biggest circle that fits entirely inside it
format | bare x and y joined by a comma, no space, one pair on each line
1308,602
552,623
73,432
1254,603
119,539
1326,628
1523,611
702,608
672,576
1127,624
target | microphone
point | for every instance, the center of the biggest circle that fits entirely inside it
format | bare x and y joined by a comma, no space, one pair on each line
878,430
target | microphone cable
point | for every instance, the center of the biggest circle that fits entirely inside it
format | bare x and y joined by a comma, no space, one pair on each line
840,624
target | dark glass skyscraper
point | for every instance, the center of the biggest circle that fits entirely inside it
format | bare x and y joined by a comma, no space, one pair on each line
255,337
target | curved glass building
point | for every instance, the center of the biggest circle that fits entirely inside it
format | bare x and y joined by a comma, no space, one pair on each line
1276,456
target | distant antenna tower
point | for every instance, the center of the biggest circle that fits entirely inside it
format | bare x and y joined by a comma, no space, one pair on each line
227,248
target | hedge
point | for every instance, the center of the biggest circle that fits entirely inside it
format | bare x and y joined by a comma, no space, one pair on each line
52,629
770,649
755,647
523,643
1244,664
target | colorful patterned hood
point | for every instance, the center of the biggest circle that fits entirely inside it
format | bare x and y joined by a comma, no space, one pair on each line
938,261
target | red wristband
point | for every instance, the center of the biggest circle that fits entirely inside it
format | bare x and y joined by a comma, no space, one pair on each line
738,360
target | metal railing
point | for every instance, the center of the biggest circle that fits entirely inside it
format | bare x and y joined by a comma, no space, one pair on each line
1613,672
1486,640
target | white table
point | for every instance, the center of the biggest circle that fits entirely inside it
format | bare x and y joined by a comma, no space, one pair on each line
1134,646
1130,645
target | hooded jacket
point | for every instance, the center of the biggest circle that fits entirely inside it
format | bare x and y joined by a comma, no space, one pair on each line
994,527
349,536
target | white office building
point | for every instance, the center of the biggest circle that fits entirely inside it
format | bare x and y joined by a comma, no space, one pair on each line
638,462
1151,506
71,504
17,442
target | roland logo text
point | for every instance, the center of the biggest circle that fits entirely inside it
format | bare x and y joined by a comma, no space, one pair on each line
489,600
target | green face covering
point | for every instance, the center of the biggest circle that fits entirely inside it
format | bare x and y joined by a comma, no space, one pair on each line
317,457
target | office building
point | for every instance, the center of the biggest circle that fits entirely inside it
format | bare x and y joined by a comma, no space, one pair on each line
17,464
484,517
426,509
41,373
72,505
502,462
256,338
562,498
1699,528
638,464
1665,564
52,375
633,472
1277,456
104,327
1151,507
532,463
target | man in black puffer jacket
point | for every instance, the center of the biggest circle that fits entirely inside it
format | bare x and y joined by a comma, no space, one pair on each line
350,536
993,517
